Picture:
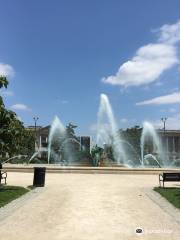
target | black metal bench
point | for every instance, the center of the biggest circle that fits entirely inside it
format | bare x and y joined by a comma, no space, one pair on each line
3,174
169,177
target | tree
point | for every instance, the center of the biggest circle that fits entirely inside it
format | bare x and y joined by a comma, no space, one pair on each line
96,154
3,83
14,138
70,132
27,142
131,142
10,132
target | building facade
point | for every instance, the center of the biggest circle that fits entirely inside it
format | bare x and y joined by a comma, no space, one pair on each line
41,136
170,140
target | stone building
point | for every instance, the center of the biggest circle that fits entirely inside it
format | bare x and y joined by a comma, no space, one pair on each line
170,140
42,134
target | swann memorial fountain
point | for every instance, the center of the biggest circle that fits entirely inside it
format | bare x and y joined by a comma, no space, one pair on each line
110,147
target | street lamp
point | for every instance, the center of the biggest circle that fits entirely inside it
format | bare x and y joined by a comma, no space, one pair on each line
164,123
35,127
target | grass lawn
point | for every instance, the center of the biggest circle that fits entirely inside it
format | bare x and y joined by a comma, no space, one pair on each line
171,194
9,193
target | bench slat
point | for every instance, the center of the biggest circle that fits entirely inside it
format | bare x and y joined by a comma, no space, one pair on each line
171,176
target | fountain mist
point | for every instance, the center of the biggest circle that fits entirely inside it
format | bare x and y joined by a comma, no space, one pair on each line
108,132
57,131
150,132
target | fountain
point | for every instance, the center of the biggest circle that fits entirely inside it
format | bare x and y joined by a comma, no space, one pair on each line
129,148
150,159
107,135
11,158
57,132
60,144
67,145
36,154
108,132
33,156
110,147
149,133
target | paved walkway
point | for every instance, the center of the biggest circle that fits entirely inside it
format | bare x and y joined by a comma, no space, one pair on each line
89,207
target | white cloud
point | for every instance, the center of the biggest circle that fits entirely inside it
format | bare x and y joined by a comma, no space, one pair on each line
170,33
146,66
167,99
150,61
6,69
20,106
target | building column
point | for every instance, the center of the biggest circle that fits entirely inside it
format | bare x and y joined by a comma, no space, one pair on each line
80,145
167,144
40,142
174,145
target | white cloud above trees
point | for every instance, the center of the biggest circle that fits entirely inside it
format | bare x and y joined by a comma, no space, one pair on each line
6,69
150,60
20,106
166,99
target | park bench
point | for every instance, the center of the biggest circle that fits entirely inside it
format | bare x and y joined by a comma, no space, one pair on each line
3,174
169,177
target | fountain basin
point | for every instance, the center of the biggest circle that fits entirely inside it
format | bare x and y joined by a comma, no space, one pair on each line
54,168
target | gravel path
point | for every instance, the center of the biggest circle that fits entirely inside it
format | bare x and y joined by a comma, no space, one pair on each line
89,207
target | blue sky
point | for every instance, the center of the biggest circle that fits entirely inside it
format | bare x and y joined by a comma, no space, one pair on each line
61,55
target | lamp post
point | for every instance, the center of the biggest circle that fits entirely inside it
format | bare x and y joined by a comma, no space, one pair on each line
35,132
164,123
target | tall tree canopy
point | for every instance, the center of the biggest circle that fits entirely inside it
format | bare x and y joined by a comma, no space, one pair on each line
13,136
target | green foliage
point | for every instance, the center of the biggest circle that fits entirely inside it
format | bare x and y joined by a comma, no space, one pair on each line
70,132
27,141
3,83
96,153
14,138
133,137
69,143
10,130
41,160
109,152
81,155
171,194
9,193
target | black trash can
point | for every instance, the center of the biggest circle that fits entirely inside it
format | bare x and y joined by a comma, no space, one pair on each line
39,176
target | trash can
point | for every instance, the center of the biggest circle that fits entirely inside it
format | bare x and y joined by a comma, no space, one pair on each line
39,176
